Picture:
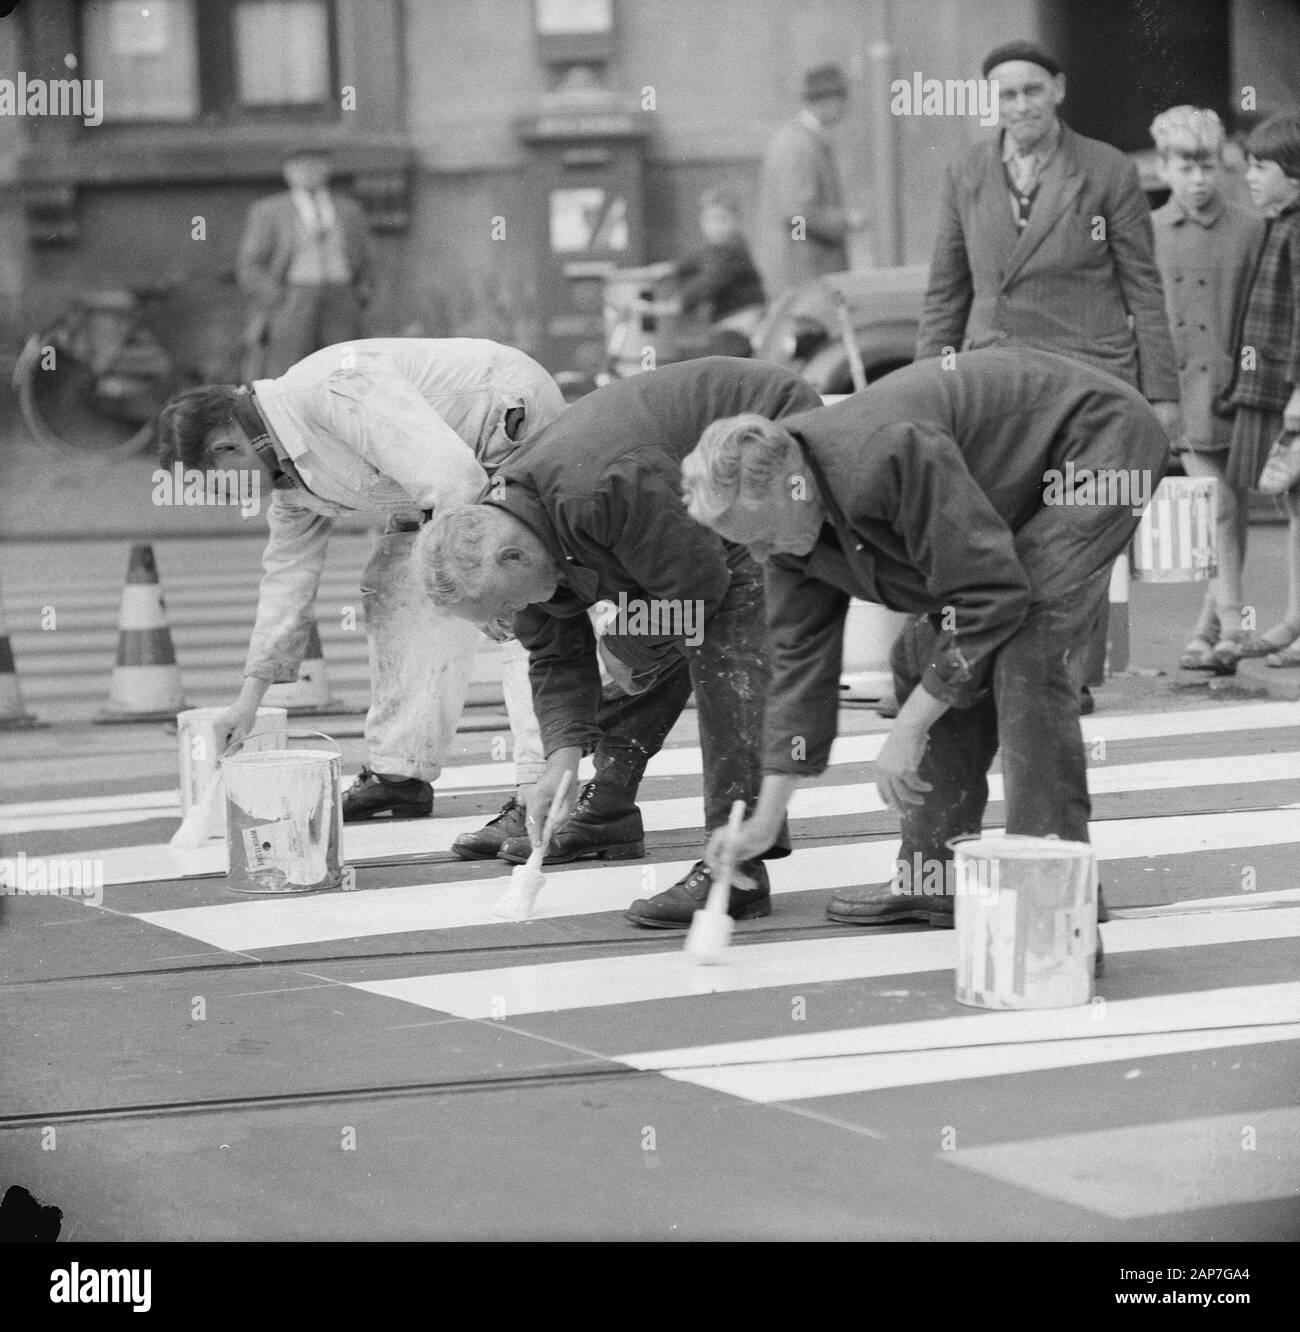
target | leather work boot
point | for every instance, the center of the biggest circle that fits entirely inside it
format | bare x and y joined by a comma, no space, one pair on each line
674,908
489,839
371,794
605,825
880,904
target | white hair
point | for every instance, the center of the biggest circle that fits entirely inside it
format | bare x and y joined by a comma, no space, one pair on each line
454,554
738,457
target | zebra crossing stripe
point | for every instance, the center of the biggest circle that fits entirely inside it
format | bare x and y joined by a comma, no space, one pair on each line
686,760
975,1044
814,801
603,982
249,925
1157,1169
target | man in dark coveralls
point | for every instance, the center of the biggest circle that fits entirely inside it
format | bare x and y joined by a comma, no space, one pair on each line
989,498
594,512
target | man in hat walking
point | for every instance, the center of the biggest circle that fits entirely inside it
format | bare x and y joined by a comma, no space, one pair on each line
803,225
1045,240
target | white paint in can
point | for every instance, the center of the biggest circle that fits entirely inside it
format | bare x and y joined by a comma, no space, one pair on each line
199,757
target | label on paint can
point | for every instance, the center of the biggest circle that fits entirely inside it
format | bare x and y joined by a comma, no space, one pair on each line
270,847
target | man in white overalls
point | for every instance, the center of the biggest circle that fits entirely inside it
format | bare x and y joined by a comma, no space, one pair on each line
398,428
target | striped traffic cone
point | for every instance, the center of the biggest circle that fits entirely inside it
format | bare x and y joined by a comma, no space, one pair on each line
310,692
13,716
146,682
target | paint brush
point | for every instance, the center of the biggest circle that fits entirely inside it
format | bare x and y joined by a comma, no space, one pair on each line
201,819
710,934
527,880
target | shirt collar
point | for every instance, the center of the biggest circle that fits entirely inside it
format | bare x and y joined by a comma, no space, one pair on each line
809,120
1043,151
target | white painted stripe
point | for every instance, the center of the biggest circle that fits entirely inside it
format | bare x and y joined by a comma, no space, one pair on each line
1239,901
1142,1170
275,922
802,1080
686,760
815,801
1244,1005
122,800
598,983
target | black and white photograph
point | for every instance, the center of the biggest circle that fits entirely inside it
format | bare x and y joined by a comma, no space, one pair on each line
650,620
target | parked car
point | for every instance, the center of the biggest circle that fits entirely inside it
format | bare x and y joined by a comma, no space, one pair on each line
802,329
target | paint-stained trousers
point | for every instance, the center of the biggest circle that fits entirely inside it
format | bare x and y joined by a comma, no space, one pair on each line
729,671
421,665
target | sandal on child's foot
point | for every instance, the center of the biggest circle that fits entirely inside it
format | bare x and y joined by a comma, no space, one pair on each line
1288,657
1276,640
1227,653
1198,655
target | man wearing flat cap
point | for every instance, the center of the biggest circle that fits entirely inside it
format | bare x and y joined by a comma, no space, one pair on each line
1045,240
803,225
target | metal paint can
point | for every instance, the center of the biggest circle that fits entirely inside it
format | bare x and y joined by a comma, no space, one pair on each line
284,816
1175,541
199,754
1026,921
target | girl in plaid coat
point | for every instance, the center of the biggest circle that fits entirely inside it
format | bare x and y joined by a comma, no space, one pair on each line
1266,390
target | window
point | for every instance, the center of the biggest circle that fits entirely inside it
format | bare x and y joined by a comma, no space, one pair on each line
146,55
282,52
185,60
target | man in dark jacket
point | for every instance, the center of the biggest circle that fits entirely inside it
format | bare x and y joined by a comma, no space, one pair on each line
988,498
594,512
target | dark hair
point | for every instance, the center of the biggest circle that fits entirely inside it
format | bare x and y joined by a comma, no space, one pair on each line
189,418
1277,139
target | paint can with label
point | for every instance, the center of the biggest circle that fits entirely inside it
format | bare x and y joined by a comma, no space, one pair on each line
200,755
1175,541
284,818
1026,921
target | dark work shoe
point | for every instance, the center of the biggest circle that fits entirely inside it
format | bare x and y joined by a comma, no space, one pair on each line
489,839
372,794
603,826
1099,965
675,907
880,904
1087,704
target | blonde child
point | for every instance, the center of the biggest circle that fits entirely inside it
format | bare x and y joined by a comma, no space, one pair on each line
1206,249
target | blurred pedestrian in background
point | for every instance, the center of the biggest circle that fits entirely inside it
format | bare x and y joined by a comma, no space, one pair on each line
1045,241
305,260
719,280
803,225
1266,389
1206,250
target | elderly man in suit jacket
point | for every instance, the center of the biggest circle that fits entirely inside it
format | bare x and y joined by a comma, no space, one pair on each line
305,261
1045,241
803,226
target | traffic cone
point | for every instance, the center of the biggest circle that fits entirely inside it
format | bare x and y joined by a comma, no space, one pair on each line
310,692
13,716
146,682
